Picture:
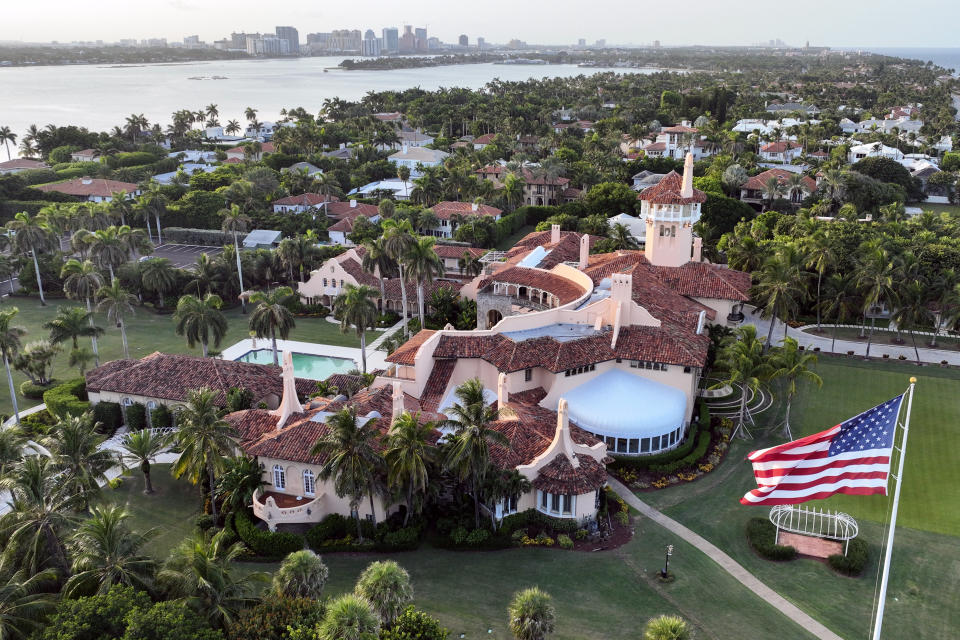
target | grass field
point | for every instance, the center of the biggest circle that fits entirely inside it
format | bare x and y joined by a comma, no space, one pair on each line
146,332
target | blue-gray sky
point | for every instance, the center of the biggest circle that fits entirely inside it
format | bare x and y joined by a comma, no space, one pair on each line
888,23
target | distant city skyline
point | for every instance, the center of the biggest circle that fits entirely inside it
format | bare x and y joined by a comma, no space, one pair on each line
852,23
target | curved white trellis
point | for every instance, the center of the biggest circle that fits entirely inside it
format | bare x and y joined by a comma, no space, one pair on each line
810,521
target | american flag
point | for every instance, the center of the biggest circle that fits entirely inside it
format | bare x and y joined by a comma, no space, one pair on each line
852,457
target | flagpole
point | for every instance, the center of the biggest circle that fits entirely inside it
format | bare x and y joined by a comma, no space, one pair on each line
878,623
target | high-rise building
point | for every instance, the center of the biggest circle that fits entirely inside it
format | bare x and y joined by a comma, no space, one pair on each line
292,36
371,44
481,43
582,42
601,43
345,40
464,40
421,35
391,40
656,44
238,40
408,41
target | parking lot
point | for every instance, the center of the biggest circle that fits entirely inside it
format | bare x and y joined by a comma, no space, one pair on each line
184,255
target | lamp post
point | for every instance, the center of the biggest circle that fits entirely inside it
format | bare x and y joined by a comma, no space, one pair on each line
666,561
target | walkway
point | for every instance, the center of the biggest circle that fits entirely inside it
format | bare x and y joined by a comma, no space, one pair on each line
877,349
726,563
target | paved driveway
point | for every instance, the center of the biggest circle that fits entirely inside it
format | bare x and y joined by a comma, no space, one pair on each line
184,255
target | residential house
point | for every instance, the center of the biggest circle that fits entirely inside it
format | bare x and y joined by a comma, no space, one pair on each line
86,155
451,254
810,110
392,188
340,209
753,190
538,189
187,168
481,142
340,230
873,150
312,170
265,130
91,189
303,203
675,142
413,156
583,125
785,151
344,152
21,164
646,179
447,213
240,153
262,239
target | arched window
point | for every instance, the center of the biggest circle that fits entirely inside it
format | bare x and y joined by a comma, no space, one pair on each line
279,477
309,483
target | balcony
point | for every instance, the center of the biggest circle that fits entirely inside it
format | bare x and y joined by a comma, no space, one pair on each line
281,508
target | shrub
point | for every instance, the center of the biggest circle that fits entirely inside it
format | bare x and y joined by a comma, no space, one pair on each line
459,535
109,415
414,625
761,534
67,399
271,618
703,443
534,519
643,463
271,544
203,521
136,417
38,423
405,539
208,237
336,533
855,561
477,537
160,418
581,534
622,517
564,541
34,391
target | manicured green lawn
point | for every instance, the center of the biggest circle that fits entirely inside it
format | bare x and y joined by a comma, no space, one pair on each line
940,208
512,239
146,332
886,337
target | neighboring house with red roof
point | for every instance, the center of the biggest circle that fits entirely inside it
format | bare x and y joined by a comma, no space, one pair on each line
675,142
340,230
448,213
538,189
481,142
785,151
85,155
240,153
753,191
302,203
21,164
92,189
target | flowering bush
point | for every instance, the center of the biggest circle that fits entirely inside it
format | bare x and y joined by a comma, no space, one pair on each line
564,541
660,483
707,467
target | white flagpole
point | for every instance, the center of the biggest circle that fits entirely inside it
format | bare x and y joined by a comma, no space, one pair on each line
878,623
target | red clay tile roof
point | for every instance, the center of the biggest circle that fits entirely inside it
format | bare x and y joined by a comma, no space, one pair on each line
529,177
406,352
561,477
457,251
170,376
486,138
703,280
89,187
265,147
437,384
779,147
447,209
23,163
356,270
529,435
339,210
667,191
565,290
758,182
306,200
656,146
344,224
571,193
679,129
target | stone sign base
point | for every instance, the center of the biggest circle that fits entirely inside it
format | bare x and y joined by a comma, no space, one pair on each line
810,545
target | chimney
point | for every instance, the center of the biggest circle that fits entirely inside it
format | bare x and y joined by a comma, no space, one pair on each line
87,181
584,251
687,190
343,145
503,395
474,207
353,204
290,403
621,287
554,233
562,436
397,397
697,250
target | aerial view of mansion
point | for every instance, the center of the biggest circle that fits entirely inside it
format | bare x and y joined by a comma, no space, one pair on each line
583,355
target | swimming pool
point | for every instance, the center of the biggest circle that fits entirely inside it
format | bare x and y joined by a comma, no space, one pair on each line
305,365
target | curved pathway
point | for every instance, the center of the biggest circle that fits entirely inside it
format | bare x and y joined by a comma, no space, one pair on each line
726,563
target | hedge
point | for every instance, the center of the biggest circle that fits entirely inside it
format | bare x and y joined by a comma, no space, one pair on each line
67,399
272,544
160,418
338,533
35,391
206,237
855,561
533,518
136,417
761,534
109,415
642,463
703,443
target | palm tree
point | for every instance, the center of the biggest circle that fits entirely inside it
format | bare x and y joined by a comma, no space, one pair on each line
204,440
790,364
232,127
12,441
913,310
842,302
403,174
796,187
833,187
118,303
398,238
78,455
200,320
159,276
780,287
8,270
944,291
302,574
235,221
772,189
351,458
153,191
386,585
355,307
746,254
201,574
141,448
622,238
107,249
349,617
25,603
241,478
271,316
32,236
408,454
72,323
666,628
423,264
820,257
513,190
107,552
41,513
9,347
532,615
875,277
742,359
7,137
376,260
469,265
468,453
81,282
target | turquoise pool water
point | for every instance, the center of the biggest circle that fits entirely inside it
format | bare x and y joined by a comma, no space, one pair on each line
304,364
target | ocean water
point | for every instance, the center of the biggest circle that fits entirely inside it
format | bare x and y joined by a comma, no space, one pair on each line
946,57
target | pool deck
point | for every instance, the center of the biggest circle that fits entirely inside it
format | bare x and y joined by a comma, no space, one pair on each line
375,359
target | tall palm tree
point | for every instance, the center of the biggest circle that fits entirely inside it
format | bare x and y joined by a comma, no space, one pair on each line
107,552
843,302
41,513
532,615
349,617
9,347
913,310
469,265
153,192
272,317
25,603
81,280
200,320
820,257
241,478
875,276
72,323
159,276
423,265
302,574
118,304
772,189
622,238
7,137
376,260
398,237
513,190
408,455
200,572
77,453
796,186
12,441
743,363
32,236
385,585
351,458
790,364
236,221
141,448
204,440
468,453
107,249
356,308
780,287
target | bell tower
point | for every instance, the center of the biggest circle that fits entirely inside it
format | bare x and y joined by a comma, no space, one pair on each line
670,209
